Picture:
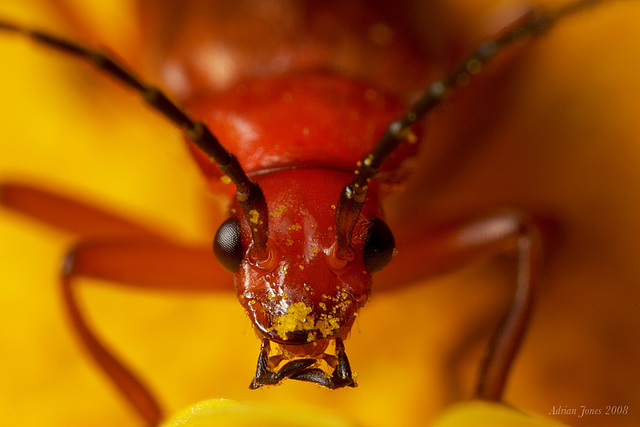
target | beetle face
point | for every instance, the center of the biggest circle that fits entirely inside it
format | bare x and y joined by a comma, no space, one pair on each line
303,301
301,293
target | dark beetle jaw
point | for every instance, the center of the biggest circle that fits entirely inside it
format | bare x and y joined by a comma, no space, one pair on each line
303,369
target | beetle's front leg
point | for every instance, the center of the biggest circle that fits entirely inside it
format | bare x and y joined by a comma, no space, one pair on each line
523,239
434,250
152,264
120,251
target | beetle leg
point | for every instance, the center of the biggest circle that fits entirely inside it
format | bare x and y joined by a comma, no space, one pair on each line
135,257
137,393
508,337
153,264
443,249
67,214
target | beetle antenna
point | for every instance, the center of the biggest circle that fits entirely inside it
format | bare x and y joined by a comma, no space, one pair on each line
249,193
353,195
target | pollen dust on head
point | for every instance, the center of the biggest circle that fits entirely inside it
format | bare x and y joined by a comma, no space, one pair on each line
300,317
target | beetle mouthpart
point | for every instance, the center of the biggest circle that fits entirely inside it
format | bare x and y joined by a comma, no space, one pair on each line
272,370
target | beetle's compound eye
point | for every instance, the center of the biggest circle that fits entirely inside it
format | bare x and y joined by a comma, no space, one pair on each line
379,246
227,246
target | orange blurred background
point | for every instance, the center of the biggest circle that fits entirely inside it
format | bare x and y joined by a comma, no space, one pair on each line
555,130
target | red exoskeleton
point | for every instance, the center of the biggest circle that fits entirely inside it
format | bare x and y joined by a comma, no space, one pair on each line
311,143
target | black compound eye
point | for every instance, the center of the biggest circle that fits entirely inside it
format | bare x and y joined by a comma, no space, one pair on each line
379,246
227,246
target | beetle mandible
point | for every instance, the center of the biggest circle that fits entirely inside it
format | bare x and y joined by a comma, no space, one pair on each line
302,331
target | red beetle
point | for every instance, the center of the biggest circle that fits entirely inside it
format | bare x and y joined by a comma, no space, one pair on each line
305,233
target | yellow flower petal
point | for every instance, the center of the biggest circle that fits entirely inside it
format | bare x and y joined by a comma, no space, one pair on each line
229,413
486,414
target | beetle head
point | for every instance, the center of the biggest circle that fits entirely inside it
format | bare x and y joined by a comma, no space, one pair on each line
301,293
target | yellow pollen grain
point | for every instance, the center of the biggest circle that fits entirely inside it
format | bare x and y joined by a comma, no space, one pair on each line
301,267
279,211
289,242
254,216
327,324
294,227
297,318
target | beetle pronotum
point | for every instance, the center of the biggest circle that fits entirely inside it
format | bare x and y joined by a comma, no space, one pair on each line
298,367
